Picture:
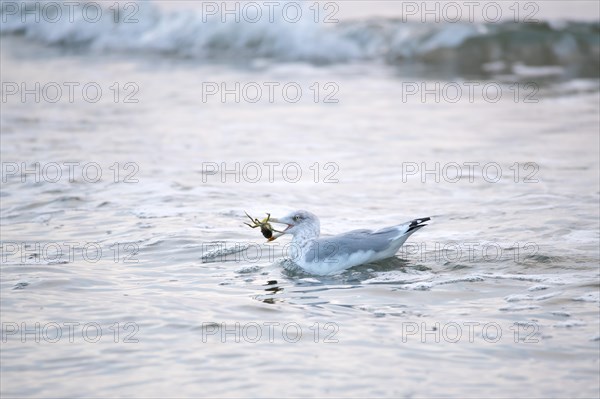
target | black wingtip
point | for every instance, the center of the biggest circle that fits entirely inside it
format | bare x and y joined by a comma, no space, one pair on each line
417,223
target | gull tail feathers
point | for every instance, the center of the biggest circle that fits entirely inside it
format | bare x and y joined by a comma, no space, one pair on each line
416,224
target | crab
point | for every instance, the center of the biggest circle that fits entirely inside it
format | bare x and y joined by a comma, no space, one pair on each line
265,227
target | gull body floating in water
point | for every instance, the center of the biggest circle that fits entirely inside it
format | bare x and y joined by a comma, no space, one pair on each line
332,255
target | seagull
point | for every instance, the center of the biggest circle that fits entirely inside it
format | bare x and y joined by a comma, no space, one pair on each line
332,255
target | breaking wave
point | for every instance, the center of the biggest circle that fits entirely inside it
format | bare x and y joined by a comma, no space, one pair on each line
570,49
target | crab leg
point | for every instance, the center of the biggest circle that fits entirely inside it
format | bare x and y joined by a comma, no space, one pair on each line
255,221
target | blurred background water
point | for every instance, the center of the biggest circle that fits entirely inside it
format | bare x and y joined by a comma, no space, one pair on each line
490,128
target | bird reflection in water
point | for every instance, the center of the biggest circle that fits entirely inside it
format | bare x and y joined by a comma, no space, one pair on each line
272,289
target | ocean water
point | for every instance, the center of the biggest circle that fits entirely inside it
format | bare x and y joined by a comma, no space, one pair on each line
130,153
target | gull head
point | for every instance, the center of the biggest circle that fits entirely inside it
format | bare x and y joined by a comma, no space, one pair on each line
301,224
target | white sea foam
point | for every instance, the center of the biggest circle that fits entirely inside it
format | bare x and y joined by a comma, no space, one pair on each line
190,33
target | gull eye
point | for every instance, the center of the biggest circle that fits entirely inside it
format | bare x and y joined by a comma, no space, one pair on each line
296,218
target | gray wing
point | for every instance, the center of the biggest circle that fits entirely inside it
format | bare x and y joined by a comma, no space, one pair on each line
344,245
353,241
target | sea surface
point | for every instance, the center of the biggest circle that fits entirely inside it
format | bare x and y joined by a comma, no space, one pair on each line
131,152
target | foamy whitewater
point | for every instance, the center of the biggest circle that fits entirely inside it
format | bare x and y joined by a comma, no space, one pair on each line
124,250
460,47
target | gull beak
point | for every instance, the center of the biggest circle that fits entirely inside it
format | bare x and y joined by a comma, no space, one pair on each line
279,221
278,233
275,236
